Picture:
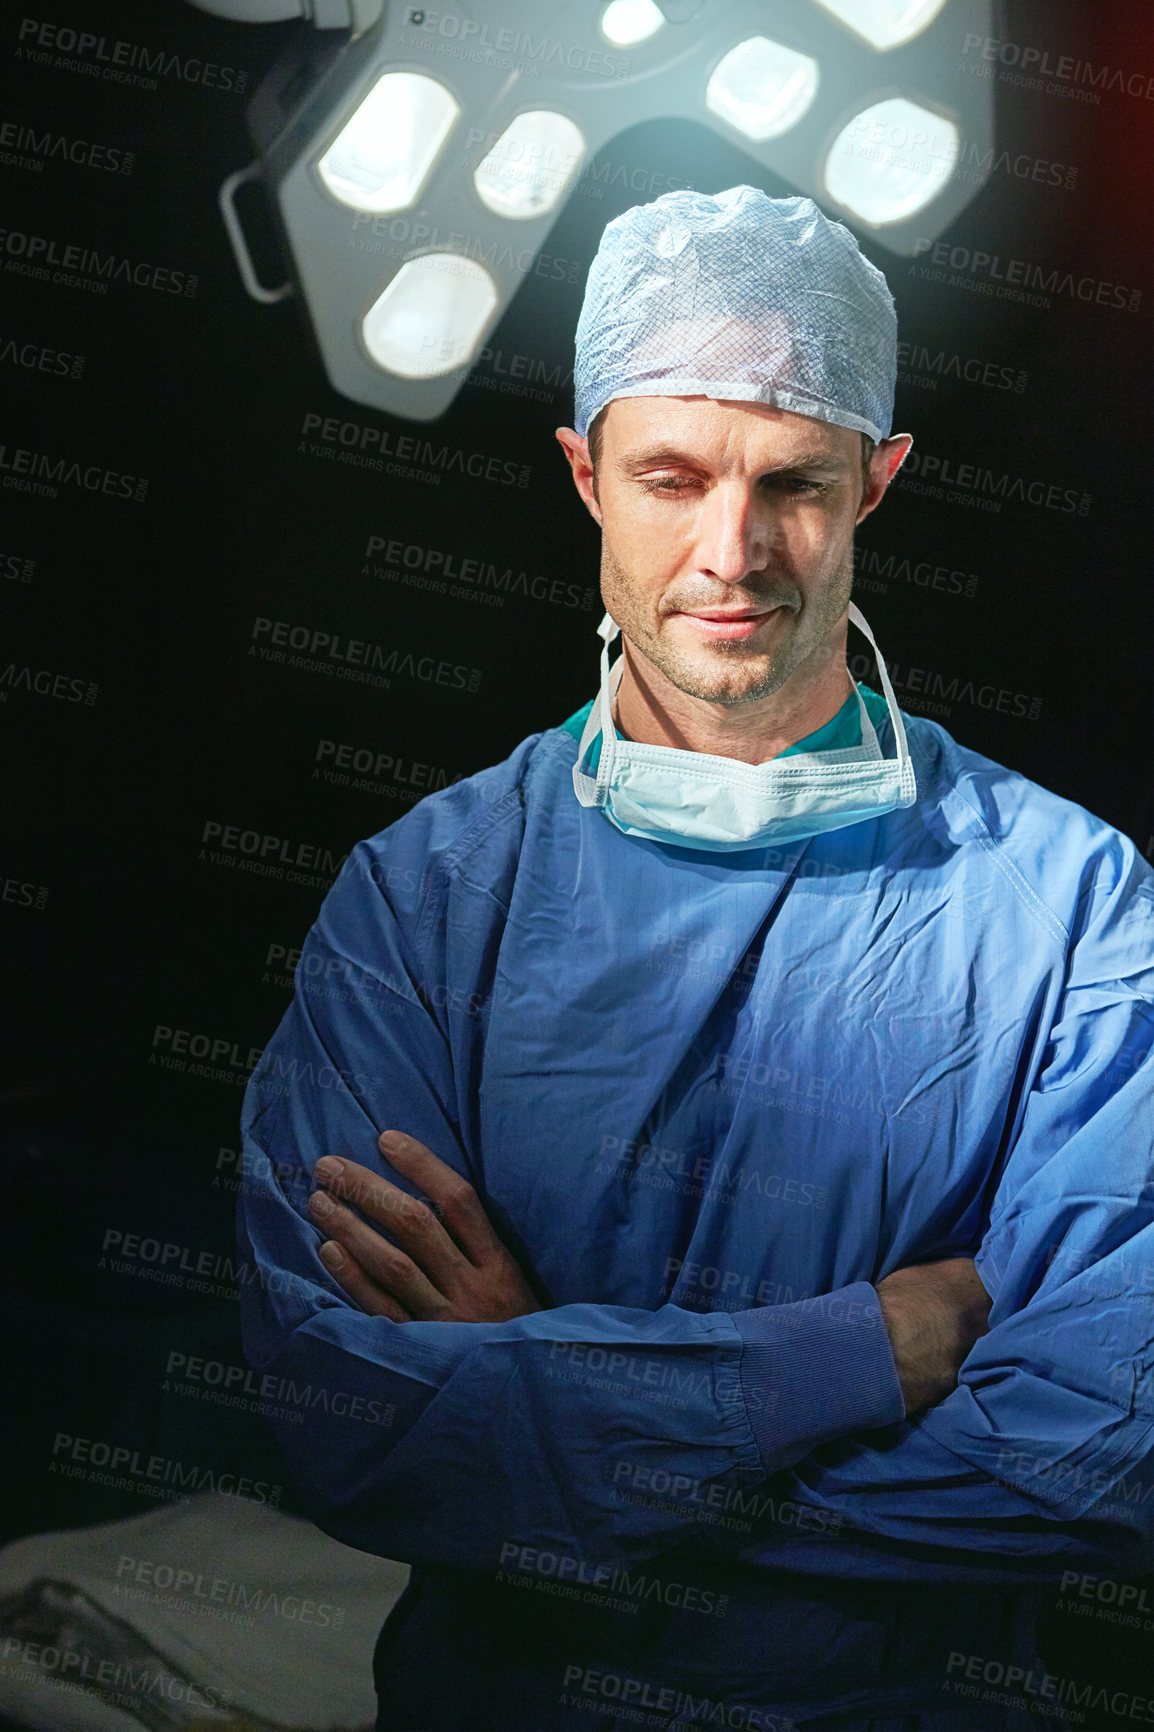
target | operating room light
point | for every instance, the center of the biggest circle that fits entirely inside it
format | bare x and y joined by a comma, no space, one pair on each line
625,23
890,160
885,23
381,157
762,88
416,165
430,318
531,166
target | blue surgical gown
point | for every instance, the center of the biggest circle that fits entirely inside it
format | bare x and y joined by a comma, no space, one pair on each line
709,1100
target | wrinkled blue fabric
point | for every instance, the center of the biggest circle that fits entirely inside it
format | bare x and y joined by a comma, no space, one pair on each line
709,1100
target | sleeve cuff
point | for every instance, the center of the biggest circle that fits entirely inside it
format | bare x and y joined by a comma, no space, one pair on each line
816,1370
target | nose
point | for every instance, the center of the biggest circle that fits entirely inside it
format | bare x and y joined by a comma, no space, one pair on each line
734,532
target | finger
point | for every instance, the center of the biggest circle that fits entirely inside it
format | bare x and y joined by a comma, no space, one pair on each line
347,1273
460,1207
389,1268
408,1220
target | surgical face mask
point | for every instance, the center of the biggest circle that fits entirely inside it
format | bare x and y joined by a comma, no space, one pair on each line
700,800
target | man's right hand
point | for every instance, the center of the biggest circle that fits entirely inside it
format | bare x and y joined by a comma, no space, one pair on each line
933,1312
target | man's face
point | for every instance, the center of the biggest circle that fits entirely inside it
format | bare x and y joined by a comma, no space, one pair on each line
727,538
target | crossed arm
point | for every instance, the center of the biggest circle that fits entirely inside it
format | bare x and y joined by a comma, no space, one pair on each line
448,1265
1036,1458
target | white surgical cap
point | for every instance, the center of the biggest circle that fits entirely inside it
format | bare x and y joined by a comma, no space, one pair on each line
741,297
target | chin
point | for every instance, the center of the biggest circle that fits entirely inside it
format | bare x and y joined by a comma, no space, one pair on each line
725,685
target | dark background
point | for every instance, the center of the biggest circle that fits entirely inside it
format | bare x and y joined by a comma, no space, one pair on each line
118,923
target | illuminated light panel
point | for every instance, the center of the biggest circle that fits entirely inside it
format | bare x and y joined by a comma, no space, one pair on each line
762,88
381,157
627,22
531,166
891,160
885,23
319,108
430,318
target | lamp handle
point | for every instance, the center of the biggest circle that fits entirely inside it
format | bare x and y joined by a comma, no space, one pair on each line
244,264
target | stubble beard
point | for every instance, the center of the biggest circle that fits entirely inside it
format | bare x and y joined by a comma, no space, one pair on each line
751,673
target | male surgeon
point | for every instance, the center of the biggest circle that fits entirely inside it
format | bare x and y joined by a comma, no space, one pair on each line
718,1137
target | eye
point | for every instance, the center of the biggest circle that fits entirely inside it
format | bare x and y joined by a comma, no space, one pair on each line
800,485
668,484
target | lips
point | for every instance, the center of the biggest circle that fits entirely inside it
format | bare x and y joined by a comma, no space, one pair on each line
721,624
746,613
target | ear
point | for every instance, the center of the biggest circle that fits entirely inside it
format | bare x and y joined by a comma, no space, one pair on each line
576,449
888,457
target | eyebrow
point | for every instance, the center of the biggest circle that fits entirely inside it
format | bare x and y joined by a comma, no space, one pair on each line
824,462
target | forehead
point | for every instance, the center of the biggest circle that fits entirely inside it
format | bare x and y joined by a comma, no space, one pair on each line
714,430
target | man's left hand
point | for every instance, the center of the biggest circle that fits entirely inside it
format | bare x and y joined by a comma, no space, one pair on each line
447,1266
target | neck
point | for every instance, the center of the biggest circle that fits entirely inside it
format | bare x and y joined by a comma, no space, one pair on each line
653,711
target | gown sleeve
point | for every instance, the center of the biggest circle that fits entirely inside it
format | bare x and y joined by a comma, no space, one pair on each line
1042,1459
